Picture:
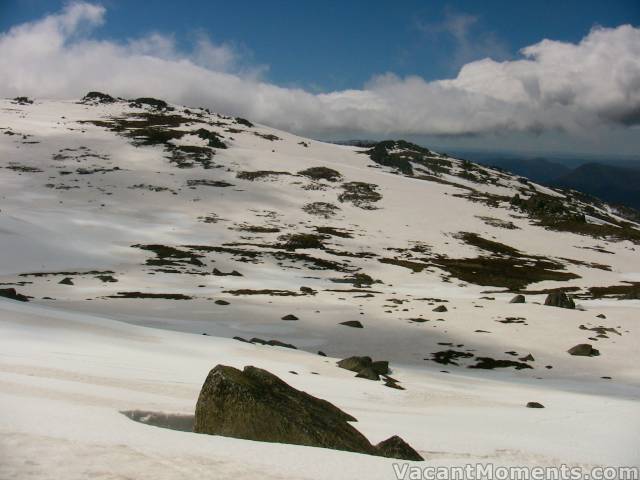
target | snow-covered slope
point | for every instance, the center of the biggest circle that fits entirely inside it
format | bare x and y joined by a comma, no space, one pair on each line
173,217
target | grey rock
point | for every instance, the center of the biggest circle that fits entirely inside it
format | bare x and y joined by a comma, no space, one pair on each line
352,324
583,350
396,447
254,404
559,299
518,299
368,373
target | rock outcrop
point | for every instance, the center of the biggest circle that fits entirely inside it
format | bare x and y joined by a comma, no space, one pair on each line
254,404
559,299
11,294
395,447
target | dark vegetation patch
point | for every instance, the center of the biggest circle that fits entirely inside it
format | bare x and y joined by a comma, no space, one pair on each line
150,102
144,295
253,256
601,330
344,253
91,171
489,199
153,128
166,256
243,121
509,320
267,136
67,274
542,291
17,167
352,290
233,273
321,209
264,291
358,280
415,267
399,155
294,241
208,183
496,222
598,266
487,363
257,229
272,343
511,273
211,218
152,188
334,232
106,278
321,173
214,140
506,267
449,357
259,174
97,97
492,246
22,101
568,215
629,291
360,194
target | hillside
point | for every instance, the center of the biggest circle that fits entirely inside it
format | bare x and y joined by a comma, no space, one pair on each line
611,183
120,215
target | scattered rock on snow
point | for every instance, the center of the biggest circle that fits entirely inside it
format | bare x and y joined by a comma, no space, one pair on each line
534,405
290,317
396,447
583,350
518,299
559,299
368,373
352,324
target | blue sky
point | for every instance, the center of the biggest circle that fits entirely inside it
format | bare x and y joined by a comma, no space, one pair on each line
327,45
377,59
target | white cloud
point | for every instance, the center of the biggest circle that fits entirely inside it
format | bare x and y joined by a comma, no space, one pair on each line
553,86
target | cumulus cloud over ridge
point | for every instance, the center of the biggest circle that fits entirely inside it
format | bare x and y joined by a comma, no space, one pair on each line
552,86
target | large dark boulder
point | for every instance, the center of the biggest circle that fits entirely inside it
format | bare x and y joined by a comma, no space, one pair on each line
355,364
559,299
583,350
396,447
518,299
13,295
365,367
254,404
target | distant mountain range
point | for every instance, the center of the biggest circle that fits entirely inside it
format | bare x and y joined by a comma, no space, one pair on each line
610,182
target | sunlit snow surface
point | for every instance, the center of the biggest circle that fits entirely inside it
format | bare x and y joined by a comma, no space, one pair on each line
69,365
